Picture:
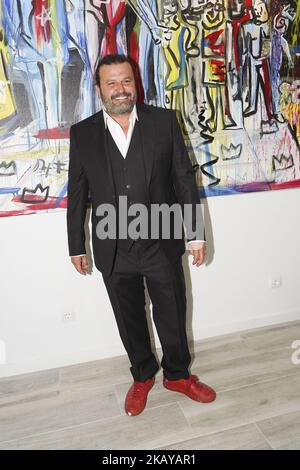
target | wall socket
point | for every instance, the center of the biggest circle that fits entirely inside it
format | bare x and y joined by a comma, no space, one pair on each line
275,282
68,317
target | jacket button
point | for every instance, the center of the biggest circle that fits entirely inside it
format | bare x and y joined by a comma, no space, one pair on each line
127,186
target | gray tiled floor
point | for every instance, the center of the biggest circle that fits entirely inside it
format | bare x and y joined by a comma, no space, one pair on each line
81,406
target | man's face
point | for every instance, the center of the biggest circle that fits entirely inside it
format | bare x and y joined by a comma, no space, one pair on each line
213,14
236,8
260,11
117,88
170,7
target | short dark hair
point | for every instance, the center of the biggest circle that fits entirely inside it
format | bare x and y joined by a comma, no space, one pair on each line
110,59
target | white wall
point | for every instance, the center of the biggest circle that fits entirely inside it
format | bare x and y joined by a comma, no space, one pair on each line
251,238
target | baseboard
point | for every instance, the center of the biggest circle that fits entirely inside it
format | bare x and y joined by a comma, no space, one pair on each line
53,362
249,324
77,357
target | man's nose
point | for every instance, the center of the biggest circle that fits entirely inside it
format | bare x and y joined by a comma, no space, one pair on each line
120,88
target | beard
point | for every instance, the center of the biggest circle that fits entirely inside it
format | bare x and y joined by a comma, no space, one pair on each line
113,106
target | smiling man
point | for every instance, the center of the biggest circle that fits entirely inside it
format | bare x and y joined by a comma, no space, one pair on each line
135,150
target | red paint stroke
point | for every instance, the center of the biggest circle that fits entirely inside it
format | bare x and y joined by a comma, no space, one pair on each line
48,205
236,25
263,186
110,32
54,133
215,42
43,32
218,69
134,55
51,203
285,185
267,82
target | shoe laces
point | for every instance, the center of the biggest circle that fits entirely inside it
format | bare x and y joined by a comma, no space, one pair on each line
136,392
193,379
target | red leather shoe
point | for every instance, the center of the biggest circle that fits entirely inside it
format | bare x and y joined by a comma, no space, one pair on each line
191,387
136,397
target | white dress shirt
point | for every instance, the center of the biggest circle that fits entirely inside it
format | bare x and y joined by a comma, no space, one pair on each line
123,141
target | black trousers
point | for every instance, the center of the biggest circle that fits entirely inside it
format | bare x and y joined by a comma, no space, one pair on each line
166,287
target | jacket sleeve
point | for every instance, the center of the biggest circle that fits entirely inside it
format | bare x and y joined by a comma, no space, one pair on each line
77,199
184,181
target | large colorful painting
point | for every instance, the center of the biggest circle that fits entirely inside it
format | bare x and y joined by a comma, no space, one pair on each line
231,69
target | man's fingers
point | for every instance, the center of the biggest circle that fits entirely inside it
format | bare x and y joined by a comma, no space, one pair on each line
84,263
198,256
80,263
200,259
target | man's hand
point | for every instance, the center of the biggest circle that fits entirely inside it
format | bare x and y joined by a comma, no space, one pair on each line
198,252
81,263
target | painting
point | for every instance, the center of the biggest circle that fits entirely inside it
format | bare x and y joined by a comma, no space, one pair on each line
230,69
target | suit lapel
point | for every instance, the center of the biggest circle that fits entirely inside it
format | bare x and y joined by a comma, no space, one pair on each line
147,128
100,146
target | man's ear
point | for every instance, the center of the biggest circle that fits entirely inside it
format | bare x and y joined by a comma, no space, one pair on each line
99,92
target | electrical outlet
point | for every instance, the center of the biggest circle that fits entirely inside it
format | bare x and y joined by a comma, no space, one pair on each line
68,317
275,282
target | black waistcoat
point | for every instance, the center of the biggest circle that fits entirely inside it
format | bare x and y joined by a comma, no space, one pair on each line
129,178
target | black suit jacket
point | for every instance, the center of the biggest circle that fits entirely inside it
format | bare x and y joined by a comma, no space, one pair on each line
169,174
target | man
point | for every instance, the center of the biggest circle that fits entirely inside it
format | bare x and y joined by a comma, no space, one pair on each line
134,150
